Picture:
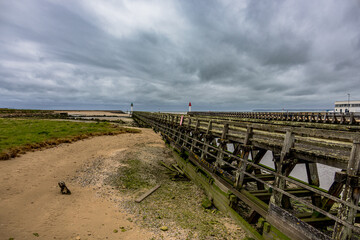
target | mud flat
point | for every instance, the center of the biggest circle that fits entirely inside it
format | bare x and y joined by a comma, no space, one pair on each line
100,115
102,205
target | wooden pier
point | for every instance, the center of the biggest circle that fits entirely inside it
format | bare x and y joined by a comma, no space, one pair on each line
227,149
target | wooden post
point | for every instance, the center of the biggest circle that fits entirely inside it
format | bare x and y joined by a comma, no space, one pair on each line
334,190
187,132
334,119
351,194
313,179
240,173
352,119
342,119
219,159
174,128
195,135
256,160
207,140
276,197
236,152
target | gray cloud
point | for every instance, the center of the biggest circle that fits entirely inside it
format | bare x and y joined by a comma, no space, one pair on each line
220,55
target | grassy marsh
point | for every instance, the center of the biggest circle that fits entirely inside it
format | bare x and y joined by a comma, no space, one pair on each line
21,135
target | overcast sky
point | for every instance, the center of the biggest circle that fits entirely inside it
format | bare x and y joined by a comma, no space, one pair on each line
220,55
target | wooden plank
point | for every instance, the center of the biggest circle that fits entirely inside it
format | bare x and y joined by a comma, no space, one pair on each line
148,193
264,177
295,192
169,168
292,226
178,169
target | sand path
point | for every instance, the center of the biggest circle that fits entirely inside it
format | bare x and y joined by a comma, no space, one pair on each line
30,200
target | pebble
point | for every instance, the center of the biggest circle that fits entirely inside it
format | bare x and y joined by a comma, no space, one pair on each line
78,238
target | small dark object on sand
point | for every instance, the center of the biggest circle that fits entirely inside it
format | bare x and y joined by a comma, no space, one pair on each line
64,189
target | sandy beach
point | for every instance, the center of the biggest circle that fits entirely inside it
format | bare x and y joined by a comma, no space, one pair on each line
33,208
31,201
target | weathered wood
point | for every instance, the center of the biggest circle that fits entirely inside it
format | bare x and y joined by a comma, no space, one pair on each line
279,163
196,134
222,145
148,193
166,166
293,226
311,143
258,157
265,196
240,173
312,174
299,117
253,217
207,140
351,194
178,169
335,190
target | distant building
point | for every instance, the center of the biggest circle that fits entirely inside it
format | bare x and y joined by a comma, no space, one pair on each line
347,106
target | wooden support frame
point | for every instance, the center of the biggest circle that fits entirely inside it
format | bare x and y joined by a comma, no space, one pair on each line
222,145
280,168
191,140
351,194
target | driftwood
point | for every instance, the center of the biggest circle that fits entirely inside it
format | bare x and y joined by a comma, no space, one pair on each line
168,167
148,193
178,169
176,172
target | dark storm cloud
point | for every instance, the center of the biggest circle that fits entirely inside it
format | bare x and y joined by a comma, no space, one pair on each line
221,55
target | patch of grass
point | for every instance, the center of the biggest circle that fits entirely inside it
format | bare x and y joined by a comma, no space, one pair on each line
176,205
179,204
19,136
10,110
131,176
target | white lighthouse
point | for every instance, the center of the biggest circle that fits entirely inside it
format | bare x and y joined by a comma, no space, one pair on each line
189,106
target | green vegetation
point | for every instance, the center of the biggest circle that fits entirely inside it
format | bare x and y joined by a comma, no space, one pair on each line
175,205
131,176
10,110
18,136
206,203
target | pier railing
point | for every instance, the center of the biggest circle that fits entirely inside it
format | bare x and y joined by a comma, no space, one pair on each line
315,117
230,151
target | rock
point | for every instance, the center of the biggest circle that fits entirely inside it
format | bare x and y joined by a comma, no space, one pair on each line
78,238
164,228
63,188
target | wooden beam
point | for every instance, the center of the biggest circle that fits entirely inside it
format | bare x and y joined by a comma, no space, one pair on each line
351,194
148,193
